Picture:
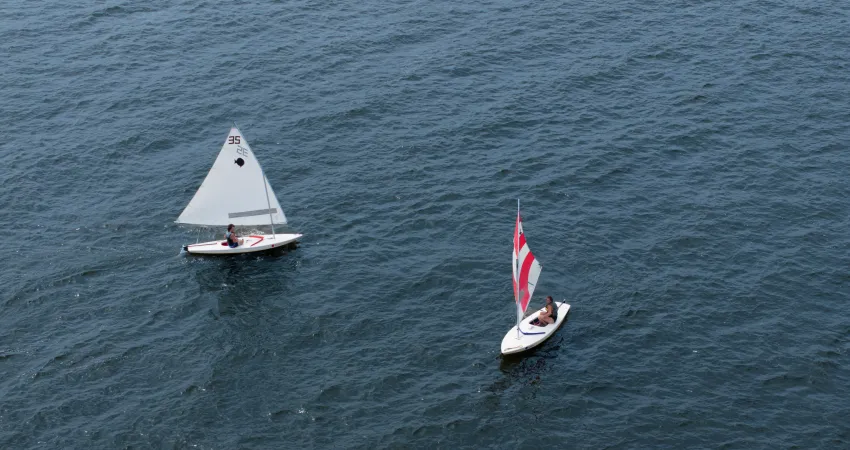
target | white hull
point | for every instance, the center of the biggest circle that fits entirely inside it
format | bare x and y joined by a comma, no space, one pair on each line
251,244
530,336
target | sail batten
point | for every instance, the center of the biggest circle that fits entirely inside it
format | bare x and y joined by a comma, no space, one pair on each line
234,191
258,212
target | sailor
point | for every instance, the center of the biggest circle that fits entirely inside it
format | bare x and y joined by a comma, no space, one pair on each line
551,313
233,240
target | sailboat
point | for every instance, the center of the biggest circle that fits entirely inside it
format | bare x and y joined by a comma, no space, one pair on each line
526,270
236,191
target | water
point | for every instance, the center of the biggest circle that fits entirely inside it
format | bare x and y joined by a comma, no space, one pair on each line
683,171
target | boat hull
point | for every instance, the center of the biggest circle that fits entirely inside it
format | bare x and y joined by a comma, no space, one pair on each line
251,244
530,336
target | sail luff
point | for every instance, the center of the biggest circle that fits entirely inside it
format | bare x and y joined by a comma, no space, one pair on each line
526,268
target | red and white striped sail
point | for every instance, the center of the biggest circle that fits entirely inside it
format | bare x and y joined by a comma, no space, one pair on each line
526,268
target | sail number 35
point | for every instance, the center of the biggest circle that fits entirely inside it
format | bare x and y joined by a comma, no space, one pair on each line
234,139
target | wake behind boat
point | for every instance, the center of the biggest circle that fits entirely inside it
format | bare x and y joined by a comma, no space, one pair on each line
526,270
236,191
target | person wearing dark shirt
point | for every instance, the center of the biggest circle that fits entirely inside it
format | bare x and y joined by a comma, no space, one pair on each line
551,313
233,240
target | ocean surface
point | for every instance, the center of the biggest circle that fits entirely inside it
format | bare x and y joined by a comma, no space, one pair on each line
683,170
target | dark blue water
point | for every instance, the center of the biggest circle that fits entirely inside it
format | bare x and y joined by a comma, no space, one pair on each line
683,168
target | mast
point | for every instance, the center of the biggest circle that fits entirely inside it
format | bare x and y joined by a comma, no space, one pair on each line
526,269
518,295
265,186
518,315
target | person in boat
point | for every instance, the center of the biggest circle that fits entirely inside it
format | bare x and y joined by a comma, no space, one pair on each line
551,313
233,240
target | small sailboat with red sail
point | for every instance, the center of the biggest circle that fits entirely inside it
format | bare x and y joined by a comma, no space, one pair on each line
528,332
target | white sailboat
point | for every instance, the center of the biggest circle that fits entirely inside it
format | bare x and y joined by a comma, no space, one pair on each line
236,191
526,270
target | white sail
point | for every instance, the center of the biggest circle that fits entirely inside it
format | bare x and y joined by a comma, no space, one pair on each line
235,190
